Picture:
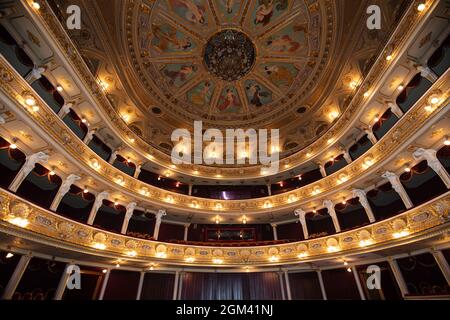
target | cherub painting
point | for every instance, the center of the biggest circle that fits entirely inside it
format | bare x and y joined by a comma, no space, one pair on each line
168,39
201,94
190,10
179,74
229,100
257,94
266,9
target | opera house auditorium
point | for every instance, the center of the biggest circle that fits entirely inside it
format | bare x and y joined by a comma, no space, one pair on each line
348,199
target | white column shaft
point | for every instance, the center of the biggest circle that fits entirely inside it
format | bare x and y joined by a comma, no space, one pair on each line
398,187
27,167
323,172
358,283
175,286
104,284
141,283
443,264
288,285
186,232
398,277
15,278
62,283
322,286
283,291
275,234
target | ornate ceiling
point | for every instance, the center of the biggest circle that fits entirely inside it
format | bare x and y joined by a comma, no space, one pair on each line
168,63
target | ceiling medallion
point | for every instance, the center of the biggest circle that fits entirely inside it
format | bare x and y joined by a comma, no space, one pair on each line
229,55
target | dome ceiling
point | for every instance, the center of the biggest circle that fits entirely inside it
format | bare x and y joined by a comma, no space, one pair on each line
286,64
228,62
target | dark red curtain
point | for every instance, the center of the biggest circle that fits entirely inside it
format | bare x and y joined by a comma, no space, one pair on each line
158,286
231,286
305,286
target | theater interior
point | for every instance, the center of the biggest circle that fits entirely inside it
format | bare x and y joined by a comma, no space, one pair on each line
86,156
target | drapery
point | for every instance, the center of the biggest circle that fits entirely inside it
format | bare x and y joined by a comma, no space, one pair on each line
231,286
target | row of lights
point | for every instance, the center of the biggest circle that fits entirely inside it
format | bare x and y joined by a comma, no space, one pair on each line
218,219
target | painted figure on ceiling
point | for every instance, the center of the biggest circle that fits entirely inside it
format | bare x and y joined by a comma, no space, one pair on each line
167,39
182,75
280,75
228,4
256,93
202,94
283,44
265,10
193,12
229,101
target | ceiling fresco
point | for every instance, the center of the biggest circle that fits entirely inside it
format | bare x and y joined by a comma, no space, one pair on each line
231,60
286,64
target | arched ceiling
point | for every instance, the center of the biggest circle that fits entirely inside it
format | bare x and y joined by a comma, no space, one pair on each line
164,63
177,44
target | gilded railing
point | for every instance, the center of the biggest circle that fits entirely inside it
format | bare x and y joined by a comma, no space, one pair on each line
21,218
16,88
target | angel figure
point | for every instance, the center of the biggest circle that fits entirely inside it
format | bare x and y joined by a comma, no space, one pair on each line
256,93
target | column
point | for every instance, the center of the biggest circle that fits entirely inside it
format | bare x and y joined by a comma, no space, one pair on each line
427,73
128,214
323,172
137,172
322,287
34,74
141,283
62,283
398,187
65,109
89,136
104,284
398,276
159,216
358,283
27,167
180,286
186,231
288,285
113,156
97,204
269,189
347,156
63,189
175,286
283,291
442,263
274,229
332,212
190,189
302,219
371,136
433,162
362,196
15,278
395,109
